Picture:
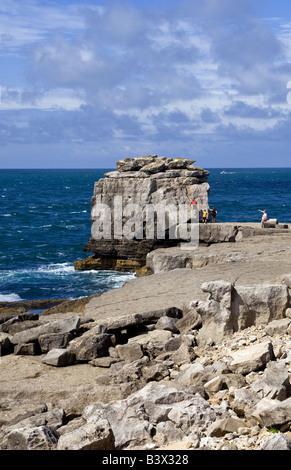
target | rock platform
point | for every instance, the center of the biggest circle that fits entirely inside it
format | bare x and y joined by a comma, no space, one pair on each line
195,355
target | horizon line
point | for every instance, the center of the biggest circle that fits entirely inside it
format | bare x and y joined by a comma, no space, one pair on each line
114,169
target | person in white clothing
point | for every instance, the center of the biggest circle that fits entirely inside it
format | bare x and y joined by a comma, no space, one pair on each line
264,217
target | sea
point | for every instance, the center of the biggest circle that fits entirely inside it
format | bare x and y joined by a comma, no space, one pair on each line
45,222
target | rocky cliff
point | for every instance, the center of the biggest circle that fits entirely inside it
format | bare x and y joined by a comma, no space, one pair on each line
123,198
196,357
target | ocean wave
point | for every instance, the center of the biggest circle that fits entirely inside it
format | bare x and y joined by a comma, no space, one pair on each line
50,269
78,212
56,268
9,298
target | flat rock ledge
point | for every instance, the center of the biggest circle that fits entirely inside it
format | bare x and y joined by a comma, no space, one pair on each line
213,373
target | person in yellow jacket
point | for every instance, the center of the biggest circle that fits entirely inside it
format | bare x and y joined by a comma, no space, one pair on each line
204,216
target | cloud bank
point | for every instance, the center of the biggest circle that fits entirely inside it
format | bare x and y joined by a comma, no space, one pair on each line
204,79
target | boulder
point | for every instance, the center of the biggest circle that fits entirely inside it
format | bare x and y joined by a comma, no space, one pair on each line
26,349
215,384
259,304
216,321
183,355
190,321
12,327
243,401
54,418
271,223
274,383
27,438
161,336
88,436
130,352
278,327
180,163
137,321
213,233
191,376
277,442
7,319
154,167
251,358
135,164
224,426
233,308
193,413
58,358
66,325
276,413
15,410
167,323
155,371
54,341
220,291
90,346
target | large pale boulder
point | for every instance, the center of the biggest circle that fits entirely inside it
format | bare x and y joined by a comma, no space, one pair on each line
66,325
274,383
251,358
261,304
216,314
277,442
88,436
232,308
17,410
27,438
90,346
276,414
58,357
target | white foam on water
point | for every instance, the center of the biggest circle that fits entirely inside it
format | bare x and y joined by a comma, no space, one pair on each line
9,298
56,268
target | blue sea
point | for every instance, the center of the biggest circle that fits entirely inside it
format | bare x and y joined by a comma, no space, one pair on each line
45,222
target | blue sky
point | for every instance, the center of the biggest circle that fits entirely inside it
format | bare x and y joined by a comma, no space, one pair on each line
86,83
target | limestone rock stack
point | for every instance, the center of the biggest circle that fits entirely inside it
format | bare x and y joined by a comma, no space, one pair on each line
141,181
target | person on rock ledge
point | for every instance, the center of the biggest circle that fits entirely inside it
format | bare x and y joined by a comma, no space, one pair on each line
264,218
214,213
205,216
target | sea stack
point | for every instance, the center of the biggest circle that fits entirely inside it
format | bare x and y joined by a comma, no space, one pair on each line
138,184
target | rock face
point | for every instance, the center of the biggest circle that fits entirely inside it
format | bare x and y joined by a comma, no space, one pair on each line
227,244
127,231
229,308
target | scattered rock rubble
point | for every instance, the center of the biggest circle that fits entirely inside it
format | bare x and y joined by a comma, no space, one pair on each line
175,386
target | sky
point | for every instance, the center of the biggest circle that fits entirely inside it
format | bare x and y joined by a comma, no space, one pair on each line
87,83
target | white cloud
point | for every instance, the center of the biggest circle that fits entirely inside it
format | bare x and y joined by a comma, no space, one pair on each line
131,74
47,100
